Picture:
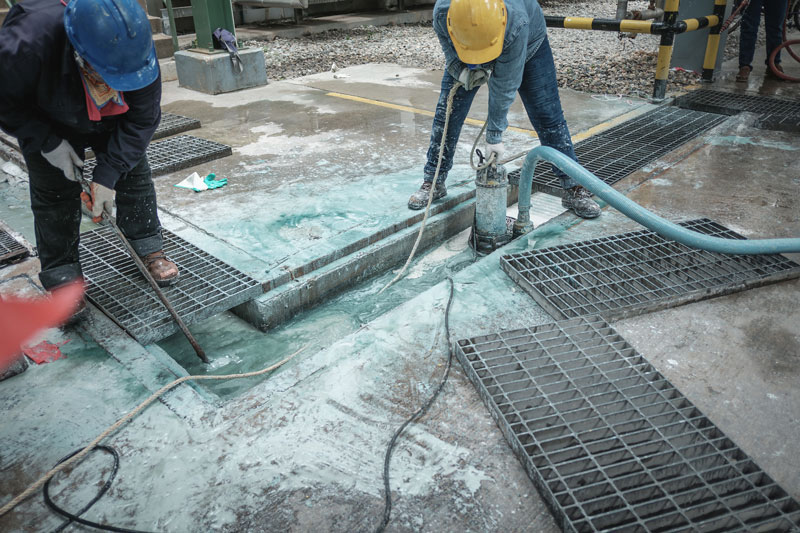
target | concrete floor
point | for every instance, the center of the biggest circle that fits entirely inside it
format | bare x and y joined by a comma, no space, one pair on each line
321,165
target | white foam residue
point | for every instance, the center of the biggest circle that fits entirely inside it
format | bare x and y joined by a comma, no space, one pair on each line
272,143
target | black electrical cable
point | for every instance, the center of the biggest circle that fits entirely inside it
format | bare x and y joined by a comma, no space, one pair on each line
76,517
387,510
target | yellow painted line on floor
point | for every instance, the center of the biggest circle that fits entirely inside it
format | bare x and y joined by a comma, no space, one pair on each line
425,112
575,138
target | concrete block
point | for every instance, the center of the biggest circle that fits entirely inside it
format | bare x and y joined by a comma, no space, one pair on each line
163,44
213,73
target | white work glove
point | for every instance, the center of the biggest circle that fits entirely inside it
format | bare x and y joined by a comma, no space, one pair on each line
64,158
102,199
471,78
497,149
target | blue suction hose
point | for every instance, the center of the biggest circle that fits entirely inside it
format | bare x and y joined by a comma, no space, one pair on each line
636,212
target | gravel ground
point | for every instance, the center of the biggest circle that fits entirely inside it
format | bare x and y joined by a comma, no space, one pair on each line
596,62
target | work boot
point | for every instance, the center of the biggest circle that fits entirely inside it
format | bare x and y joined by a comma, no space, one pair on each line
744,73
419,200
163,271
771,75
579,201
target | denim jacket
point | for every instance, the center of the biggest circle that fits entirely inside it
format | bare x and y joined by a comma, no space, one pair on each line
525,31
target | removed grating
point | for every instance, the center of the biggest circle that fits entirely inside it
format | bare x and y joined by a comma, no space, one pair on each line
176,153
172,124
206,286
633,273
609,443
618,152
10,249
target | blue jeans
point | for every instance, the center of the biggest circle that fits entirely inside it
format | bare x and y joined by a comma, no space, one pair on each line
56,206
774,13
539,95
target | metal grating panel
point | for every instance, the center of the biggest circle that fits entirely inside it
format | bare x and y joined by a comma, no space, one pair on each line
176,153
10,249
172,124
206,287
632,273
734,103
624,149
609,443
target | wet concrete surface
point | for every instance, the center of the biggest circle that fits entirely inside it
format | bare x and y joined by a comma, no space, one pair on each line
304,449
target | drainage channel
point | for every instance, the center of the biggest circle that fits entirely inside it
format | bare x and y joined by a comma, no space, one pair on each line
627,147
774,113
609,442
234,345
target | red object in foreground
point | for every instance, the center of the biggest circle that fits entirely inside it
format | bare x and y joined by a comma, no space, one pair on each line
21,318
44,352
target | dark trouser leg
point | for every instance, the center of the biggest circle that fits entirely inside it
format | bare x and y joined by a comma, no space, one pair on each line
56,206
539,94
774,13
137,214
458,114
751,18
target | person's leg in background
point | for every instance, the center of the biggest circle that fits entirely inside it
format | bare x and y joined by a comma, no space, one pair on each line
751,19
774,14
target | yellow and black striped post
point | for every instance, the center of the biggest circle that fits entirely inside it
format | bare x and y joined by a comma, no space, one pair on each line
665,50
712,47
667,29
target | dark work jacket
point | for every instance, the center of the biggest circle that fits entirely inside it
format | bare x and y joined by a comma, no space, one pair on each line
42,99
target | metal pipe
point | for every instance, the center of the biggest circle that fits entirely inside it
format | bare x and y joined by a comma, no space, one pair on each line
636,212
294,4
173,31
647,14
622,9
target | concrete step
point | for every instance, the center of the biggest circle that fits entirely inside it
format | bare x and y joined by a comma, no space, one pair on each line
155,24
163,45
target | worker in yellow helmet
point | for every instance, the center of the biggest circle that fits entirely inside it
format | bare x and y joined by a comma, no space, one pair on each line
502,44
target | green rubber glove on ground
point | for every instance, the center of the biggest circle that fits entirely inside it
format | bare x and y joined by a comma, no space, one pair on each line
213,183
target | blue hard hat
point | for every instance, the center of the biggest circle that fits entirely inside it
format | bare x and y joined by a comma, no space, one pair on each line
115,38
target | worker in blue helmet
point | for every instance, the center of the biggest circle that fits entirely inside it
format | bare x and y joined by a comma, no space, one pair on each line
78,75
502,44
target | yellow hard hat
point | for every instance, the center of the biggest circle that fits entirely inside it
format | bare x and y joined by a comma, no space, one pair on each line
476,28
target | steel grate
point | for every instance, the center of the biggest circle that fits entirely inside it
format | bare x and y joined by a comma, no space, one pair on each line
176,153
775,113
172,124
624,149
10,249
206,287
632,273
609,443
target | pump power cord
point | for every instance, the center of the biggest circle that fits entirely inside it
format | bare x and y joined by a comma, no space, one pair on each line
447,113
78,456
387,510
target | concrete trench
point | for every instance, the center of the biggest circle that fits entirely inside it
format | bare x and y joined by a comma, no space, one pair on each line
369,366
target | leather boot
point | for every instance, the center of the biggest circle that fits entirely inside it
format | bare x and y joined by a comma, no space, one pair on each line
164,271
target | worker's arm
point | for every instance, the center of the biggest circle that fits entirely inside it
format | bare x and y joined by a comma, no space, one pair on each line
21,62
135,128
453,64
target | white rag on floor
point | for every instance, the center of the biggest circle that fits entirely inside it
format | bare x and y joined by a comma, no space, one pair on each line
194,182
